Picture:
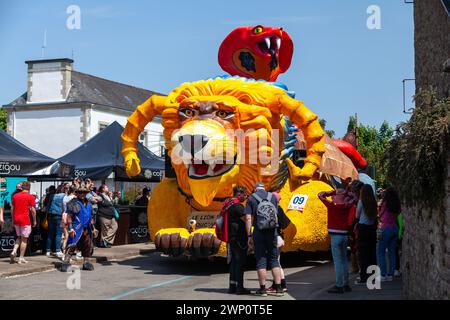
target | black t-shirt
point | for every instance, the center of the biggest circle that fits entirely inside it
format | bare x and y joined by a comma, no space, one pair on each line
106,208
236,226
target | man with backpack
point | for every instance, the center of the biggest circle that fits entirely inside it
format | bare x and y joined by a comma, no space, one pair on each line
237,239
261,212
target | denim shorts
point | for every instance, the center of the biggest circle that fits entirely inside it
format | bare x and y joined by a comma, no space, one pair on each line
266,251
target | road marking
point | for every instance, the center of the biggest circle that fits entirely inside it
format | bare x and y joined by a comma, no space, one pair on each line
156,285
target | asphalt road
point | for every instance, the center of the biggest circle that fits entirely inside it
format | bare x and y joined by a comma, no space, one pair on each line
158,277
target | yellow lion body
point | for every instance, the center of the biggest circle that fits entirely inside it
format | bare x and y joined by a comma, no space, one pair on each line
208,110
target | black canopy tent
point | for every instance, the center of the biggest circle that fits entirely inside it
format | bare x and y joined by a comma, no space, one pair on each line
101,155
17,160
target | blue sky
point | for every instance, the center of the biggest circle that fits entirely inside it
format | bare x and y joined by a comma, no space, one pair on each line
339,66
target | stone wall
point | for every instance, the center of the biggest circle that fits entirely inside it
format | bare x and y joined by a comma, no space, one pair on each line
432,45
426,250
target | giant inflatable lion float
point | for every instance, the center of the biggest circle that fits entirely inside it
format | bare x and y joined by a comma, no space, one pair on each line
204,111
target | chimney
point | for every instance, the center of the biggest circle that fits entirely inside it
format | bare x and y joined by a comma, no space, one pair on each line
49,80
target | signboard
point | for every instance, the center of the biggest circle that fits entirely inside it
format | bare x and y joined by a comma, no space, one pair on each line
7,238
204,219
7,168
298,202
138,225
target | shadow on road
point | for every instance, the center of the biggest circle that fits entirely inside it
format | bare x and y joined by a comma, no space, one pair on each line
213,290
156,263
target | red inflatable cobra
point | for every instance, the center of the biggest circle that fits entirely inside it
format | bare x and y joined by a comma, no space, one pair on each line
263,52
259,52
350,151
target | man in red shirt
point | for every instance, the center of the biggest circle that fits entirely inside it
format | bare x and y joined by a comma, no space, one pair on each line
22,203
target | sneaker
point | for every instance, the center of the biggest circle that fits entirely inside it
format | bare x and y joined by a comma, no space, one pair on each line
88,266
78,256
12,258
358,282
271,290
285,289
347,289
279,293
261,292
397,273
22,261
48,254
336,290
242,291
59,254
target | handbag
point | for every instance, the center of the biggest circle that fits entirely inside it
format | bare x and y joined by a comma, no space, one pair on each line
44,223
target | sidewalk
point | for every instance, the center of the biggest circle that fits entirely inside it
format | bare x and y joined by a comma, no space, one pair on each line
388,291
41,263
313,283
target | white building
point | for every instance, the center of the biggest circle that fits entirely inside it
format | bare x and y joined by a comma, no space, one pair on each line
63,108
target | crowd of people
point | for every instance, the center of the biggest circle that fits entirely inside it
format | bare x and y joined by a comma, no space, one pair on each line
355,219
72,213
80,203
372,229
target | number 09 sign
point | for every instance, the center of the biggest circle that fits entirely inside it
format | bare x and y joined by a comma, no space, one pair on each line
298,202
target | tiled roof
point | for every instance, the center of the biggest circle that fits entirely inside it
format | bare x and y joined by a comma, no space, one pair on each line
91,89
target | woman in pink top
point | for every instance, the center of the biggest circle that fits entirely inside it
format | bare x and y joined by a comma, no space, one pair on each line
390,208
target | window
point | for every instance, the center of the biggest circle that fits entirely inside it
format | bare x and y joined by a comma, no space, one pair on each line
143,138
102,125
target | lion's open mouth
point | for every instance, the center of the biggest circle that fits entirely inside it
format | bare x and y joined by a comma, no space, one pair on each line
205,169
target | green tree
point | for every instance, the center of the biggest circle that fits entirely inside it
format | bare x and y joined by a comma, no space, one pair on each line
3,119
351,124
323,124
372,145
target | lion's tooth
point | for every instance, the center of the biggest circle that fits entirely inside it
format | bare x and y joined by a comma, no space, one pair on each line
278,41
210,162
267,40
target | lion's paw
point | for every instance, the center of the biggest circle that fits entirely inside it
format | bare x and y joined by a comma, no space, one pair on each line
203,243
172,241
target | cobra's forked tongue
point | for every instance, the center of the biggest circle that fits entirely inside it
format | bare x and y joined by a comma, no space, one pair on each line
273,60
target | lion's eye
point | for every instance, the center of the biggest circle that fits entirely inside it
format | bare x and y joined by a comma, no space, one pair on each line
187,112
224,114
258,29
